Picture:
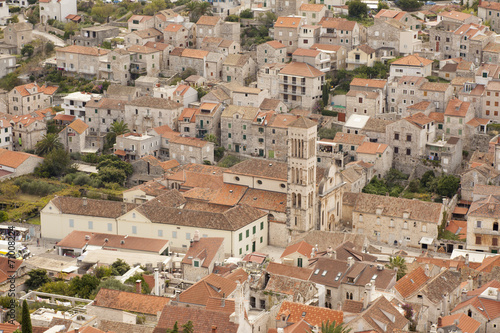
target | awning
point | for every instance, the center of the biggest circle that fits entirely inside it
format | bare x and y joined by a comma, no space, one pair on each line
460,210
427,240
120,152
70,269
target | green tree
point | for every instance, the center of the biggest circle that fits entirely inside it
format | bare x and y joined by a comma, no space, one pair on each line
28,50
14,19
145,288
398,262
448,185
198,9
232,18
83,286
112,175
246,14
37,278
426,179
9,190
201,91
56,287
188,72
103,272
268,18
3,216
357,9
326,94
210,138
409,4
188,327
382,5
116,163
101,11
333,327
119,127
49,47
49,142
113,284
119,267
26,319
57,163
154,6
175,329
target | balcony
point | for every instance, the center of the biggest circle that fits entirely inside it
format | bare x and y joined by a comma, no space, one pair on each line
292,92
293,83
356,61
105,69
138,70
484,231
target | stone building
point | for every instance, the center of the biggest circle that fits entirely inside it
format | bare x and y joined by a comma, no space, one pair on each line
337,54
30,97
73,136
482,224
490,11
318,59
289,7
490,103
475,176
95,36
309,35
181,59
18,34
340,31
57,10
268,79
361,55
147,112
101,113
201,257
220,45
300,85
368,103
408,138
448,153
378,154
302,190
271,52
236,124
457,115
286,31
176,35
208,26
403,92
27,131
140,22
396,220
437,93
143,60
190,150
141,37
80,60
312,13
411,65
238,68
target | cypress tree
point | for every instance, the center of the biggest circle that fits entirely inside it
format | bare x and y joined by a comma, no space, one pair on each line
26,319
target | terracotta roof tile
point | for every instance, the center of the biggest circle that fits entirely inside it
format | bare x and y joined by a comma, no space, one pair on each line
204,249
265,200
208,20
140,18
313,315
287,22
275,44
411,282
377,316
210,286
305,53
311,7
437,117
152,102
203,320
301,247
459,16
457,108
77,239
435,86
465,323
92,207
301,69
298,273
412,60
326,47
372,83
31,88
352,306
479,291
78,126
261,168
126,301
337,23
489,308
349,138
371,148
458,228
85,50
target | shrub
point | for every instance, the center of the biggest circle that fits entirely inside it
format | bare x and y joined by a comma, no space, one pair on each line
36,187
329,113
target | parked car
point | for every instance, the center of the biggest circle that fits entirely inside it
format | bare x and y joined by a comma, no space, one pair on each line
430,3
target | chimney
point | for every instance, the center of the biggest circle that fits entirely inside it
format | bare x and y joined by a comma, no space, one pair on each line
333,255
157,282
440,322
84,201
196,237
467,260
214,329
138,286
124,208
329,251
350,261
427,270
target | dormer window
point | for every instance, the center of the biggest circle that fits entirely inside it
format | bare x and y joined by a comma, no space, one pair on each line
196,263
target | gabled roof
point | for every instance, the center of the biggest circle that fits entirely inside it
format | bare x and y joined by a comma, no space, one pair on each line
31,88
465,323
301,69
370,83
412,60
210,286
91,207
133,302
261,168
457,108
84,50
411,282
459,16
349,138
275,44
14,159
301,247
203,320
140,18
479,291
419,119
204,249
209,20
371,148
383,317
313,315
489,308
337,23
288,22
309,7
305,53
78,126
302,122
299,273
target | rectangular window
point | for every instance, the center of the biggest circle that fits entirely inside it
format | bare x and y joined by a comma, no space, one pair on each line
262,239
478,224
240,236
408,138
71,223
91,225
248,233
254,229
134,230
188,236
408,151
196,263
261,225
241,251
229,125
244,127
478,240
110,226
396,136
174,234
160,233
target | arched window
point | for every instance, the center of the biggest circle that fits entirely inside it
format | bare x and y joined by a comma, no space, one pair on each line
299,200
495,226
294,200
469,313
360,218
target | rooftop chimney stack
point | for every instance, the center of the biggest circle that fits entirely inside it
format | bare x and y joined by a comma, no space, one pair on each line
196,237
138,286
157,282
440,321
350,261
85,201
214,329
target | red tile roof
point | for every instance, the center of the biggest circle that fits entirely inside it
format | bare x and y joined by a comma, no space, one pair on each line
204,249
14,159
411,282
465,323
458,228
126,301
301,247
489,308
314,315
